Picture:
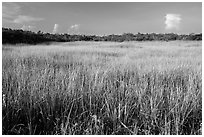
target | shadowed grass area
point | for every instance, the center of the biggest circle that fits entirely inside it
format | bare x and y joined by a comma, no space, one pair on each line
89,89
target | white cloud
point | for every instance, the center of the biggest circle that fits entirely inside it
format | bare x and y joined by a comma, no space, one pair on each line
23,19
172,21
55,29
25,27
75,26
74,29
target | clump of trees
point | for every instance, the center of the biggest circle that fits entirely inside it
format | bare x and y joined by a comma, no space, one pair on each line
11,36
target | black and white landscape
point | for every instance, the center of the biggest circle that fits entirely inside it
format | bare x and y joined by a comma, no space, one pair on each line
101,68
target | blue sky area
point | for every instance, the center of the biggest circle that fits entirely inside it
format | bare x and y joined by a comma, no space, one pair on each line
104,18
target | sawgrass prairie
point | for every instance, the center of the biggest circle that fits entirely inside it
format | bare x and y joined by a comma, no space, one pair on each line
98,88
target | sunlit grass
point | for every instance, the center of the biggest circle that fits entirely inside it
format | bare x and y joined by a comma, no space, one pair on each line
102,88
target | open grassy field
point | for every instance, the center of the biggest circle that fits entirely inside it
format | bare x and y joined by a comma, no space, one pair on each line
102,88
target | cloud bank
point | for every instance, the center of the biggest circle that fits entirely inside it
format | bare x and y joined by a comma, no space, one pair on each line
172,21
24,19
55,29
11,13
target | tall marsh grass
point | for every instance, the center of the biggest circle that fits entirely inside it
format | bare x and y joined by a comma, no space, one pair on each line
102,88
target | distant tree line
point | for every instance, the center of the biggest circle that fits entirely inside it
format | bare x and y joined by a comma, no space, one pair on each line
11,36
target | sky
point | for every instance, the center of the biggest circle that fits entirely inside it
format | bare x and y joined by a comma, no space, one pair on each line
104,18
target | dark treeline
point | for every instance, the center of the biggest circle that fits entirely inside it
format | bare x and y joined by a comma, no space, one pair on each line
10,36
